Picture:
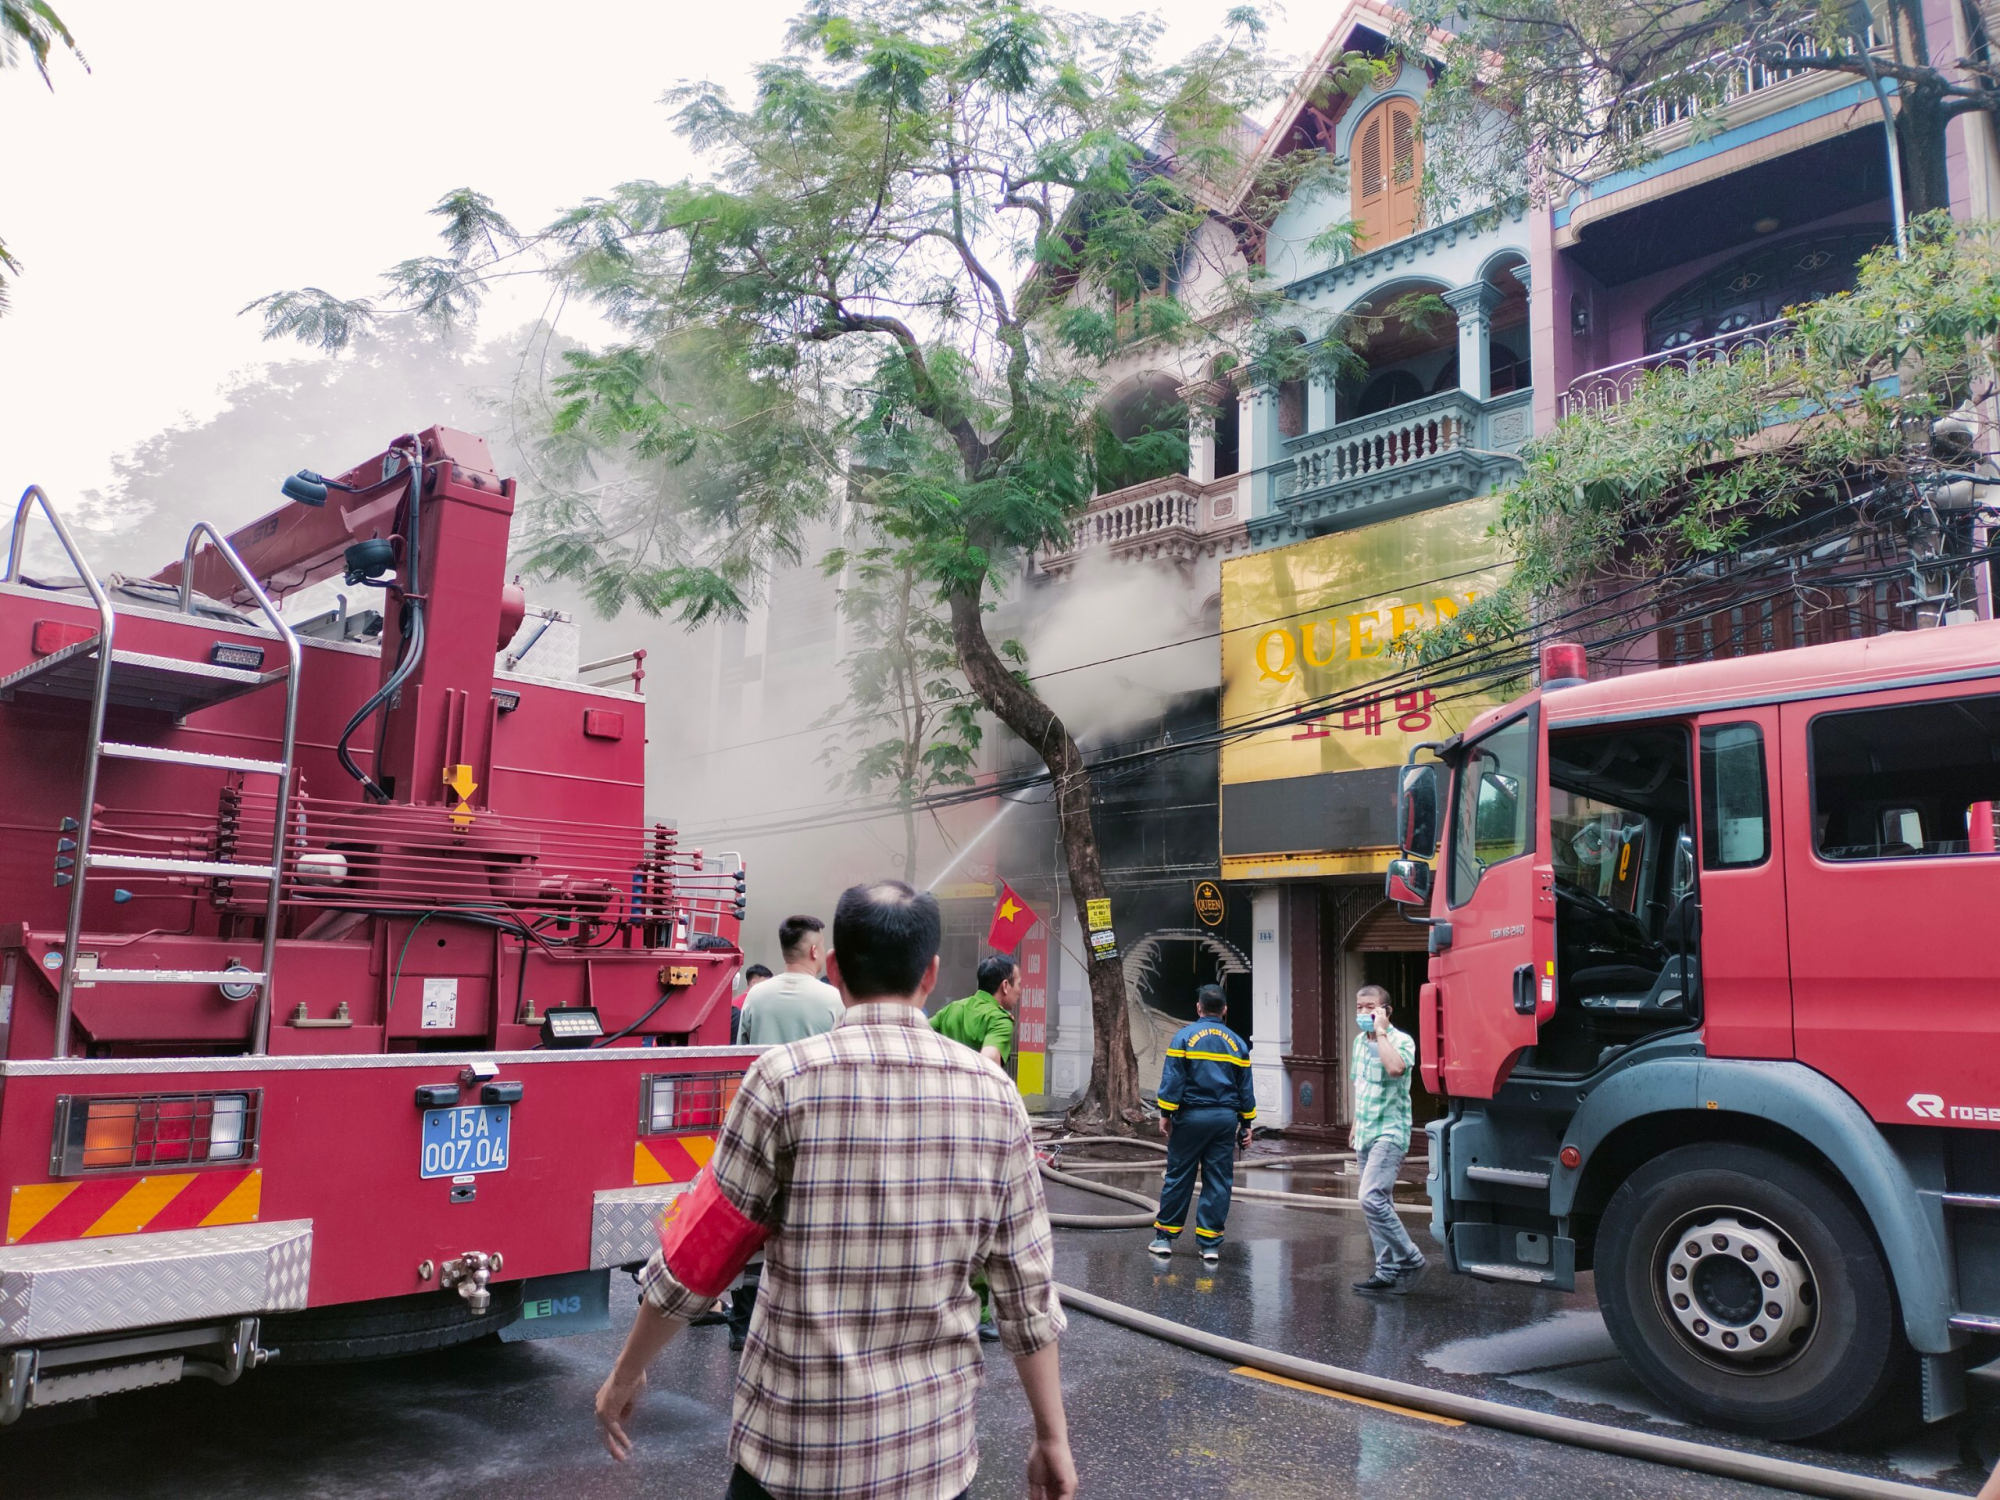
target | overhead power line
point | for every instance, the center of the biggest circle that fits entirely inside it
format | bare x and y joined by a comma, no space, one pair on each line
1504,663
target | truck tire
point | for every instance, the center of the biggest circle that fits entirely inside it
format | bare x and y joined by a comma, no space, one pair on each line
386,1327
1747,1291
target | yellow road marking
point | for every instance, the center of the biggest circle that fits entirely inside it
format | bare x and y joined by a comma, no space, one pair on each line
1320,1390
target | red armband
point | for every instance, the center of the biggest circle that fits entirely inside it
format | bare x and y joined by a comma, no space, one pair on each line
706,1240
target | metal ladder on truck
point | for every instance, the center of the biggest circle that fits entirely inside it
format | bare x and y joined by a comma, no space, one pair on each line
95,671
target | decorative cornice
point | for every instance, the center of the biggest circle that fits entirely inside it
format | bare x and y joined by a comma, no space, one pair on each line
1406,251
1475,301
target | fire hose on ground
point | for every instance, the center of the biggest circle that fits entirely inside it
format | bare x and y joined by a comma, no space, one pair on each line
1679,1453
1144,1221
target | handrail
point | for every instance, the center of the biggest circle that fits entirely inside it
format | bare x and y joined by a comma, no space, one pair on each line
1637,121
100,696
260,1024
1577,395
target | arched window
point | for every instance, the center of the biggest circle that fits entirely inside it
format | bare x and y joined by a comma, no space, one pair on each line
1757,287
1386,167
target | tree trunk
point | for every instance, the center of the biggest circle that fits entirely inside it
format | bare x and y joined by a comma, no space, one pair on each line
1920,116
1920,127
1110,1104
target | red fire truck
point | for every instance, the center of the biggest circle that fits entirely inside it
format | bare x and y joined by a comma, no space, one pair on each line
349,1004
1714,998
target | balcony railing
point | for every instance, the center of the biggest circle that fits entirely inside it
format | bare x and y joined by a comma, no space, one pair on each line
1161,518
1604,391
1738,78
1368,446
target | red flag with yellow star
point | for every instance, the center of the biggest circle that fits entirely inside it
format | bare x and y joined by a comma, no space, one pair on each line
1011,920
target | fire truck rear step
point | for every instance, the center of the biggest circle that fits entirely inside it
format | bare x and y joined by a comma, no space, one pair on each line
175,976
154,865
138,680
1494,1271
193,758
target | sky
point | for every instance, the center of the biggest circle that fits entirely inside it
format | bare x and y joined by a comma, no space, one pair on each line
214,153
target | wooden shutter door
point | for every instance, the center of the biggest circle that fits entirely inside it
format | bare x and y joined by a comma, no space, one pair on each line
1386,168
1405,167
1370,183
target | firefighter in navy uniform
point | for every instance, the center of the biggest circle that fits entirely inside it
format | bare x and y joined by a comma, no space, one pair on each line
1206,1106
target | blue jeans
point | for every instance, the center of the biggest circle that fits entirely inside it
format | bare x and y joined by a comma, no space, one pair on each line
1395,1252
1204,1138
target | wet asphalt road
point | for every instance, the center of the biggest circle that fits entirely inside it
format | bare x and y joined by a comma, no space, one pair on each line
1147,1419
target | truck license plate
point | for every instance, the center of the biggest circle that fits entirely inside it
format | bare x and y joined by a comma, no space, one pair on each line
458,1141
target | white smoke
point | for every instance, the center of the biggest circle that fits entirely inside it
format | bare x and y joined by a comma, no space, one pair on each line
1112,643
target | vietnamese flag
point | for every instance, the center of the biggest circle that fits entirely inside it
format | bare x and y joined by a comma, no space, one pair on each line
1011,920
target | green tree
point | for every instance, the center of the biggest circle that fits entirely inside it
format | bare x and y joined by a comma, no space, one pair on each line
913,240
1548,95
33,27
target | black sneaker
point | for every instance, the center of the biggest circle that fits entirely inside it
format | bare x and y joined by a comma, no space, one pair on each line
989,1331
1376,1283
1407,1278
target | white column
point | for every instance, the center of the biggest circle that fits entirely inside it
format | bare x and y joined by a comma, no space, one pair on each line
1474,305
1201,398
1256,448
1069,1007
1270,1007
1320,413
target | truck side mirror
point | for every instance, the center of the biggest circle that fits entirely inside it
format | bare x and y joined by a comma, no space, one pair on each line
1417,811
1409,882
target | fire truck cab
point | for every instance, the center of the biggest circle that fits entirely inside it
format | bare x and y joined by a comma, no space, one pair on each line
1712,993
350,1003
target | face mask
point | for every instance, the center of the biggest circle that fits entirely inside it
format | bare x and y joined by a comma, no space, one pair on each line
1366,1023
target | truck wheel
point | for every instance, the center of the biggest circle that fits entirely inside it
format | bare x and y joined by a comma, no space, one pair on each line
385,1327
1747,1291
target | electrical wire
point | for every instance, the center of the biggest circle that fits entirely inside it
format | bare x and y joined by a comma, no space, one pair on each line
1470,681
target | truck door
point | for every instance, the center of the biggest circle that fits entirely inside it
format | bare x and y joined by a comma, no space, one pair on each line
1746,980
1891,887
1496,980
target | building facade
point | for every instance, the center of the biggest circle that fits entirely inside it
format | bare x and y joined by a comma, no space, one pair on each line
1315,524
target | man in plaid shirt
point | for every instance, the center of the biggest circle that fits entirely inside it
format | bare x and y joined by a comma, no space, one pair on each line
1383,1057
887,1165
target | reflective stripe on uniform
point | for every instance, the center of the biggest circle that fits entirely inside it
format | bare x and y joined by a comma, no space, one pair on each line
1228,1057
1168,1104
1209,1234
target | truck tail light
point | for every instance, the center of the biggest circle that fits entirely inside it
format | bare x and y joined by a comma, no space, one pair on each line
670,1102
120,1133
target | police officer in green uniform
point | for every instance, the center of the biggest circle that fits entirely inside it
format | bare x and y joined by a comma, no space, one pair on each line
984,1020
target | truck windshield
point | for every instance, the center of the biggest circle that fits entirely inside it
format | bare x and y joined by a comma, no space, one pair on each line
1492,805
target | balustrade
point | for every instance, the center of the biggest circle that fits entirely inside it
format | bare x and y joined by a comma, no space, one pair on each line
1603,391
1393,439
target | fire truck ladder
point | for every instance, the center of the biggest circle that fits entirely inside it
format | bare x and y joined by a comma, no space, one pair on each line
94,670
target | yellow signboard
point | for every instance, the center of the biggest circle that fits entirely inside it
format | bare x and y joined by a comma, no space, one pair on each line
1312,624
1097,914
